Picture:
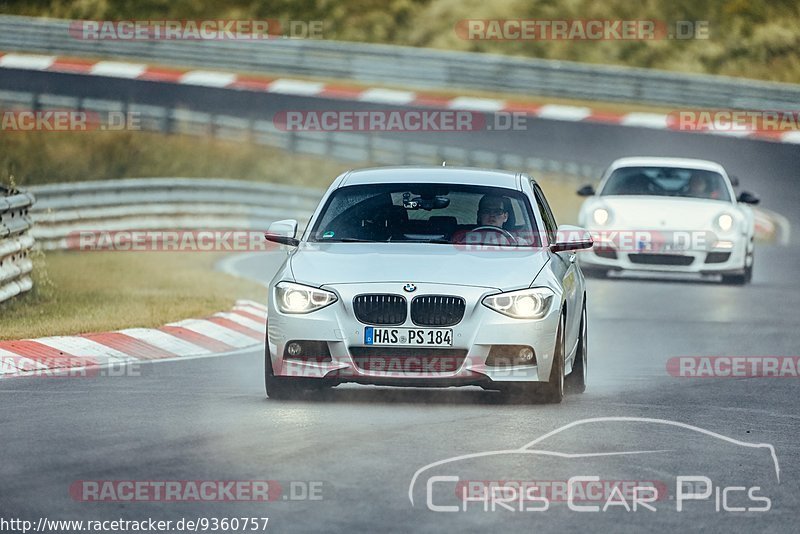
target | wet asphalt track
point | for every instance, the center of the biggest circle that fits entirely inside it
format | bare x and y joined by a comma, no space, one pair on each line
208,419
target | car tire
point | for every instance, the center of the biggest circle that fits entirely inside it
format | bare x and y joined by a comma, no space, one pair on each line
552,392
593,272
734,279
741,279
738,279
575,382
748,269
287,388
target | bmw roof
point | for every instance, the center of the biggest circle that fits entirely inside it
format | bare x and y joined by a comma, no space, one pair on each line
432,173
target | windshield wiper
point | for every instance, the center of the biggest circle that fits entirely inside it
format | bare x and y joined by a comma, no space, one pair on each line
443,241
348,240
358,240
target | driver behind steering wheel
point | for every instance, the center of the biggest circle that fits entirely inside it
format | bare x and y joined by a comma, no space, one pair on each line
492,211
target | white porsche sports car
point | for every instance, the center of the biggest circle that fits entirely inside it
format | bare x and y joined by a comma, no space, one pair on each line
669,214
429,276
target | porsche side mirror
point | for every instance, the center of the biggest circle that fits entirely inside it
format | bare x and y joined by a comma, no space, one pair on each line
746,197
586,191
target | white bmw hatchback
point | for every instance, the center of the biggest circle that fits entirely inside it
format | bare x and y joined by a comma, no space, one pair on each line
670,215
429,276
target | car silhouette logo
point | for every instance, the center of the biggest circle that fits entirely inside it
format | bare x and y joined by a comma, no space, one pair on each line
409,288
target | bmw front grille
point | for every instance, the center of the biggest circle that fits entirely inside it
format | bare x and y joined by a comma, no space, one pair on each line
437,310
381,309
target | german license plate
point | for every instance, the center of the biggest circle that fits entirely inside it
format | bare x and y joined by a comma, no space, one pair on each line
663,244
414,337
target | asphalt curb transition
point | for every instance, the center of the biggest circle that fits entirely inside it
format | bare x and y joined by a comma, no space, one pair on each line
241,328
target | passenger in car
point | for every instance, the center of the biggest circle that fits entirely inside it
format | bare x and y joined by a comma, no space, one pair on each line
699,188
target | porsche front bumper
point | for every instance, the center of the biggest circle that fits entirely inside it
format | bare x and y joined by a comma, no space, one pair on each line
724,256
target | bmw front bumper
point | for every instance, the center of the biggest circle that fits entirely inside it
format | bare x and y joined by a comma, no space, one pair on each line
464,363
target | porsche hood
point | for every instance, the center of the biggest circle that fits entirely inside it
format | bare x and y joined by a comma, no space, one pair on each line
641,213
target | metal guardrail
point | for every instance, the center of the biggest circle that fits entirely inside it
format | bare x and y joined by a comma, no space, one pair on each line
65,210
342,146
15,243
413,67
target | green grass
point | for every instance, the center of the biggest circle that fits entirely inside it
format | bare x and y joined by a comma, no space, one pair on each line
48,157
749,38
81,292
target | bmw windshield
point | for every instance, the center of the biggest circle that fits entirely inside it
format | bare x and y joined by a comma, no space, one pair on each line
426,213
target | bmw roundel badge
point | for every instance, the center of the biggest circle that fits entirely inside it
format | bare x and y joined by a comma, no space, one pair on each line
409,288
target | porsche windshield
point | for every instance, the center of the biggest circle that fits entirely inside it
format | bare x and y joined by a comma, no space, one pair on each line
667,181
427,213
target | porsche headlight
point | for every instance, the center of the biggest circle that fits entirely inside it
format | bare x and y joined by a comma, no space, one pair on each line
600,216
525,304
724,222
297,298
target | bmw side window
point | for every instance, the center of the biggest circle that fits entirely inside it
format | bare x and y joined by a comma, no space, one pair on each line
546,212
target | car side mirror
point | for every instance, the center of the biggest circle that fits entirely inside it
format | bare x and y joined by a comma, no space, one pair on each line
586,191
746,197
283,232
734,181
570,237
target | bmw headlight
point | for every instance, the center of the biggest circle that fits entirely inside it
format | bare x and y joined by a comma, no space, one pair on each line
524,304
724,222
600,216
297,298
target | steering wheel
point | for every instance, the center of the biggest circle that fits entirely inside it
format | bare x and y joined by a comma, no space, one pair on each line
491,228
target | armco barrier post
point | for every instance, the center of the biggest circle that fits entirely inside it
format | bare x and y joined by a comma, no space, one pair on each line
15,243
